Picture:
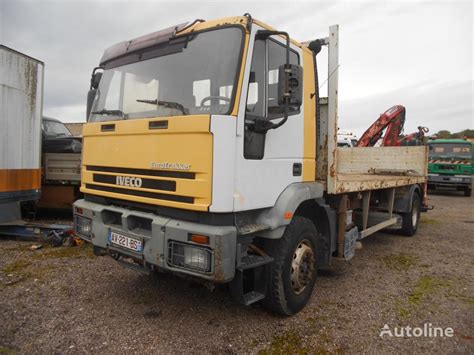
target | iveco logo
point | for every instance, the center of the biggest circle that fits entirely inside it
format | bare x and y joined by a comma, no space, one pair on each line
129,181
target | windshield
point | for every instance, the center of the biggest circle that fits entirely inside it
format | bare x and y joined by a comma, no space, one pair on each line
448,150
197,79
55,129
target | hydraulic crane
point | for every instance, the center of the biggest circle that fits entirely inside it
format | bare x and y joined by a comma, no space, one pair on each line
391,121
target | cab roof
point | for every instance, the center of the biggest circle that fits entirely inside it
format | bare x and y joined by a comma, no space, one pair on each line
162,36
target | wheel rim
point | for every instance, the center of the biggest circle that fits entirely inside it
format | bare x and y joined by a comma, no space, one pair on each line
414,215
302,266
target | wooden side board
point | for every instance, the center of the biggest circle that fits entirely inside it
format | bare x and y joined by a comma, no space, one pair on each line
356,166
361,160
365,182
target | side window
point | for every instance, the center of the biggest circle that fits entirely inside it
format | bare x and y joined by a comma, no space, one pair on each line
256,94
277,57
262,96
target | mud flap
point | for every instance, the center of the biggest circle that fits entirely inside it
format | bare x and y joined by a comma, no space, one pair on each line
350,243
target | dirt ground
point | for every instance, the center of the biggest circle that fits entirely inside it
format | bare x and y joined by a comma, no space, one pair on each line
66,300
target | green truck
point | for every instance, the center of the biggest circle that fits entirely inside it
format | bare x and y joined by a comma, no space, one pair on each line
451,164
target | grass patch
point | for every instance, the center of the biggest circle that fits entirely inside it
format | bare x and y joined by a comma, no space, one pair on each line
19,247
84,251
469,300
147,298
400,262
316,323
287,343
292,342
428,220
426,286
23,269
403,311
4,350
66,291
16,266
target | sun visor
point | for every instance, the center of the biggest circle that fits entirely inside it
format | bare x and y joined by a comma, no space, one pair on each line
146,41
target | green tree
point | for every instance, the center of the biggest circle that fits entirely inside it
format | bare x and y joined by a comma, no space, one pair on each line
469,133
443,134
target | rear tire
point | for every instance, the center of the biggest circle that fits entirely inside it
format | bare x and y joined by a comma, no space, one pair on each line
412,218
293,273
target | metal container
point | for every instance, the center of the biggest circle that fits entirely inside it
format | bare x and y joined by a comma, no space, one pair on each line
21,105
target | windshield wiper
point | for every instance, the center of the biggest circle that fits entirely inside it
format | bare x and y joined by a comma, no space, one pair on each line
109,112
168,104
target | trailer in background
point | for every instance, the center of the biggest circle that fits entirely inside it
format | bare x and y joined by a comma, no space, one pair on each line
21,95
61,159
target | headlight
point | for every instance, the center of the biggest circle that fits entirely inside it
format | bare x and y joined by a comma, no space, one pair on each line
83,226
189,256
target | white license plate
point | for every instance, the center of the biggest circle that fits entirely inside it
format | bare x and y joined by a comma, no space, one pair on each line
126,242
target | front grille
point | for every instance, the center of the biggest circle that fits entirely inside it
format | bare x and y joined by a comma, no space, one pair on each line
447,167
145,183
155,195
149,172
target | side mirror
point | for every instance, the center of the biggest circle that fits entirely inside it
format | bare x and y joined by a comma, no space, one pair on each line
290,85
90,99
95,79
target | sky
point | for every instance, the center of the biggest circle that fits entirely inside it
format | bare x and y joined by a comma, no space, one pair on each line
415,53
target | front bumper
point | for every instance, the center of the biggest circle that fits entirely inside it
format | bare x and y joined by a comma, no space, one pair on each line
159,234
450,180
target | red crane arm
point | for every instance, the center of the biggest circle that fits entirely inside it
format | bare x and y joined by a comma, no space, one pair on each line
393,120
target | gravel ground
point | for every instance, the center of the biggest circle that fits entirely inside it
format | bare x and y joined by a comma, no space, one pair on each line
66,300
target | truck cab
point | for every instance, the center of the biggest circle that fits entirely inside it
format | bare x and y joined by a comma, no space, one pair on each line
451,164
208,153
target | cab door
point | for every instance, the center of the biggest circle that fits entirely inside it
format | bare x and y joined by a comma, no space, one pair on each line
266,163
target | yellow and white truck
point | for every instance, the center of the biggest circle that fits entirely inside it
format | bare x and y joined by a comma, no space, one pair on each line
208,153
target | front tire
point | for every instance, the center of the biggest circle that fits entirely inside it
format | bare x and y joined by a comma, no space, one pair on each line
412,219
293,273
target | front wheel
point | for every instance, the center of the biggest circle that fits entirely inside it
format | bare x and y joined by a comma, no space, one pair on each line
293,273
411,219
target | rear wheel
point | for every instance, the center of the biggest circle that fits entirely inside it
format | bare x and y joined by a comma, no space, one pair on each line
412,218
293,273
